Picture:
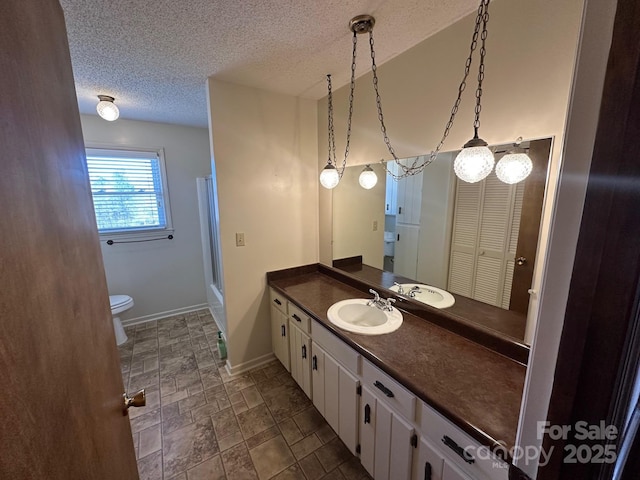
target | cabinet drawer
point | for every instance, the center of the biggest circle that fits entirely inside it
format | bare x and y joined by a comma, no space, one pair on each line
278,301
339,350
453,442
391,391
299,318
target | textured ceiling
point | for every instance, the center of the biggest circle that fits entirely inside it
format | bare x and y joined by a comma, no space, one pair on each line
154,56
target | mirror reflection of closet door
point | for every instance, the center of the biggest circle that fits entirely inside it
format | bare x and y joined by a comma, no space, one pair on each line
405,261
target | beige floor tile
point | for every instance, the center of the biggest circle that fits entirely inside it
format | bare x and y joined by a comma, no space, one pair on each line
294,472
192,402
326,433
271,457
255,421
312,468
150,441
211,469
230,441
237,463
252,396
309,421
176,422
188,446
262,437
352,469
150,467
225,423
332,454
290,431
305,446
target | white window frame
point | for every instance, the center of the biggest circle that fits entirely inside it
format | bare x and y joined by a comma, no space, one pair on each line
142,233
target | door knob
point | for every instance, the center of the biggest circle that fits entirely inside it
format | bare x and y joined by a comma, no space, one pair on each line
139,399
521,261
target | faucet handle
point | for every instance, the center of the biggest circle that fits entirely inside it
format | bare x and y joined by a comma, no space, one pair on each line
400,289
388,304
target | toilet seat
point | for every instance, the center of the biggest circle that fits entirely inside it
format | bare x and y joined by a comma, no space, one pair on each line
120,303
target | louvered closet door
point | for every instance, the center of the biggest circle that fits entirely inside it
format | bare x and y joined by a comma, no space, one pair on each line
485,235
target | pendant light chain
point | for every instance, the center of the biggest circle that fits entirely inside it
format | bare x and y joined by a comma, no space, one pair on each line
483,51
482,18
332,138
383,128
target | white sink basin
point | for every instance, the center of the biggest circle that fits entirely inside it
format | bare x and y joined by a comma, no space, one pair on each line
356,316
427,294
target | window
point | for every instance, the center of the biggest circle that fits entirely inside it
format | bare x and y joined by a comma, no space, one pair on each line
129,190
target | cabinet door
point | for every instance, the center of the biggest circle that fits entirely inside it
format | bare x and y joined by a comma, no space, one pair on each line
332,392
279,336
317,377
382,450
405,260
294,345
401,452
428,464
391,197
348,409
367,430
409,197
304,368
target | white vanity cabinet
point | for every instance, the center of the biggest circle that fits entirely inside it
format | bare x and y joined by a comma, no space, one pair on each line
279,328
451,454
387,434
300,347
396,436
336,385
386,439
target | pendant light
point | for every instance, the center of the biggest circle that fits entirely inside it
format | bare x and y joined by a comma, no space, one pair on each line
368,178
475,161
515,165
107,109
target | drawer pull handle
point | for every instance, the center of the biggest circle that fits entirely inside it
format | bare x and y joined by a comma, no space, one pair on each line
284,331
383,389
296,318
458,449
427,471
314,362
277,302
304,351
367,414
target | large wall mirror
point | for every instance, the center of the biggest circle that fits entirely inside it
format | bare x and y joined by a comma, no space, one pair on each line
476,241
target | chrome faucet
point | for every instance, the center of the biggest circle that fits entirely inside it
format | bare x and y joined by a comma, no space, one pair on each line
415,289
400,289
381,303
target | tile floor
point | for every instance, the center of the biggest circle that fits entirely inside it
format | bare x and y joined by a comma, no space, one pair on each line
199,423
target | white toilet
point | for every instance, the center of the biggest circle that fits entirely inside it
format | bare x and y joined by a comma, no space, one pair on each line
119,304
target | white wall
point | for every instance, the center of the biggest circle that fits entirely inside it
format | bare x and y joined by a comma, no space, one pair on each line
265,153
354,211
531,50
164,275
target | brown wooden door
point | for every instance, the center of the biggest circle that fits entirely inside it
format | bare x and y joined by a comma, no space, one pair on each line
539,151
60,382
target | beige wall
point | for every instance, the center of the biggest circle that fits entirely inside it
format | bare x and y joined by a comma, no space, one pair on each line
265,153
354,211
166,276
529,66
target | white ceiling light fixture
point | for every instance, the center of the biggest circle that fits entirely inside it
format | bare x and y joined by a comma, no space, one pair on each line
368,178
515,165
107,109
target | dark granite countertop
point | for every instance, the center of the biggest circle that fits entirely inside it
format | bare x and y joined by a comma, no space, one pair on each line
477,389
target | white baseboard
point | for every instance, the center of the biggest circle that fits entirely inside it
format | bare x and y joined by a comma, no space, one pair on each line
161,315
243,367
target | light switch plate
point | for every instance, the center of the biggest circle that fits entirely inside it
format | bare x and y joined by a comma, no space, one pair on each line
240,239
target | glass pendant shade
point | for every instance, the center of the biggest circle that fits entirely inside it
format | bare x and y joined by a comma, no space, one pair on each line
368,178
329,176
474,162
514,167
107,109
